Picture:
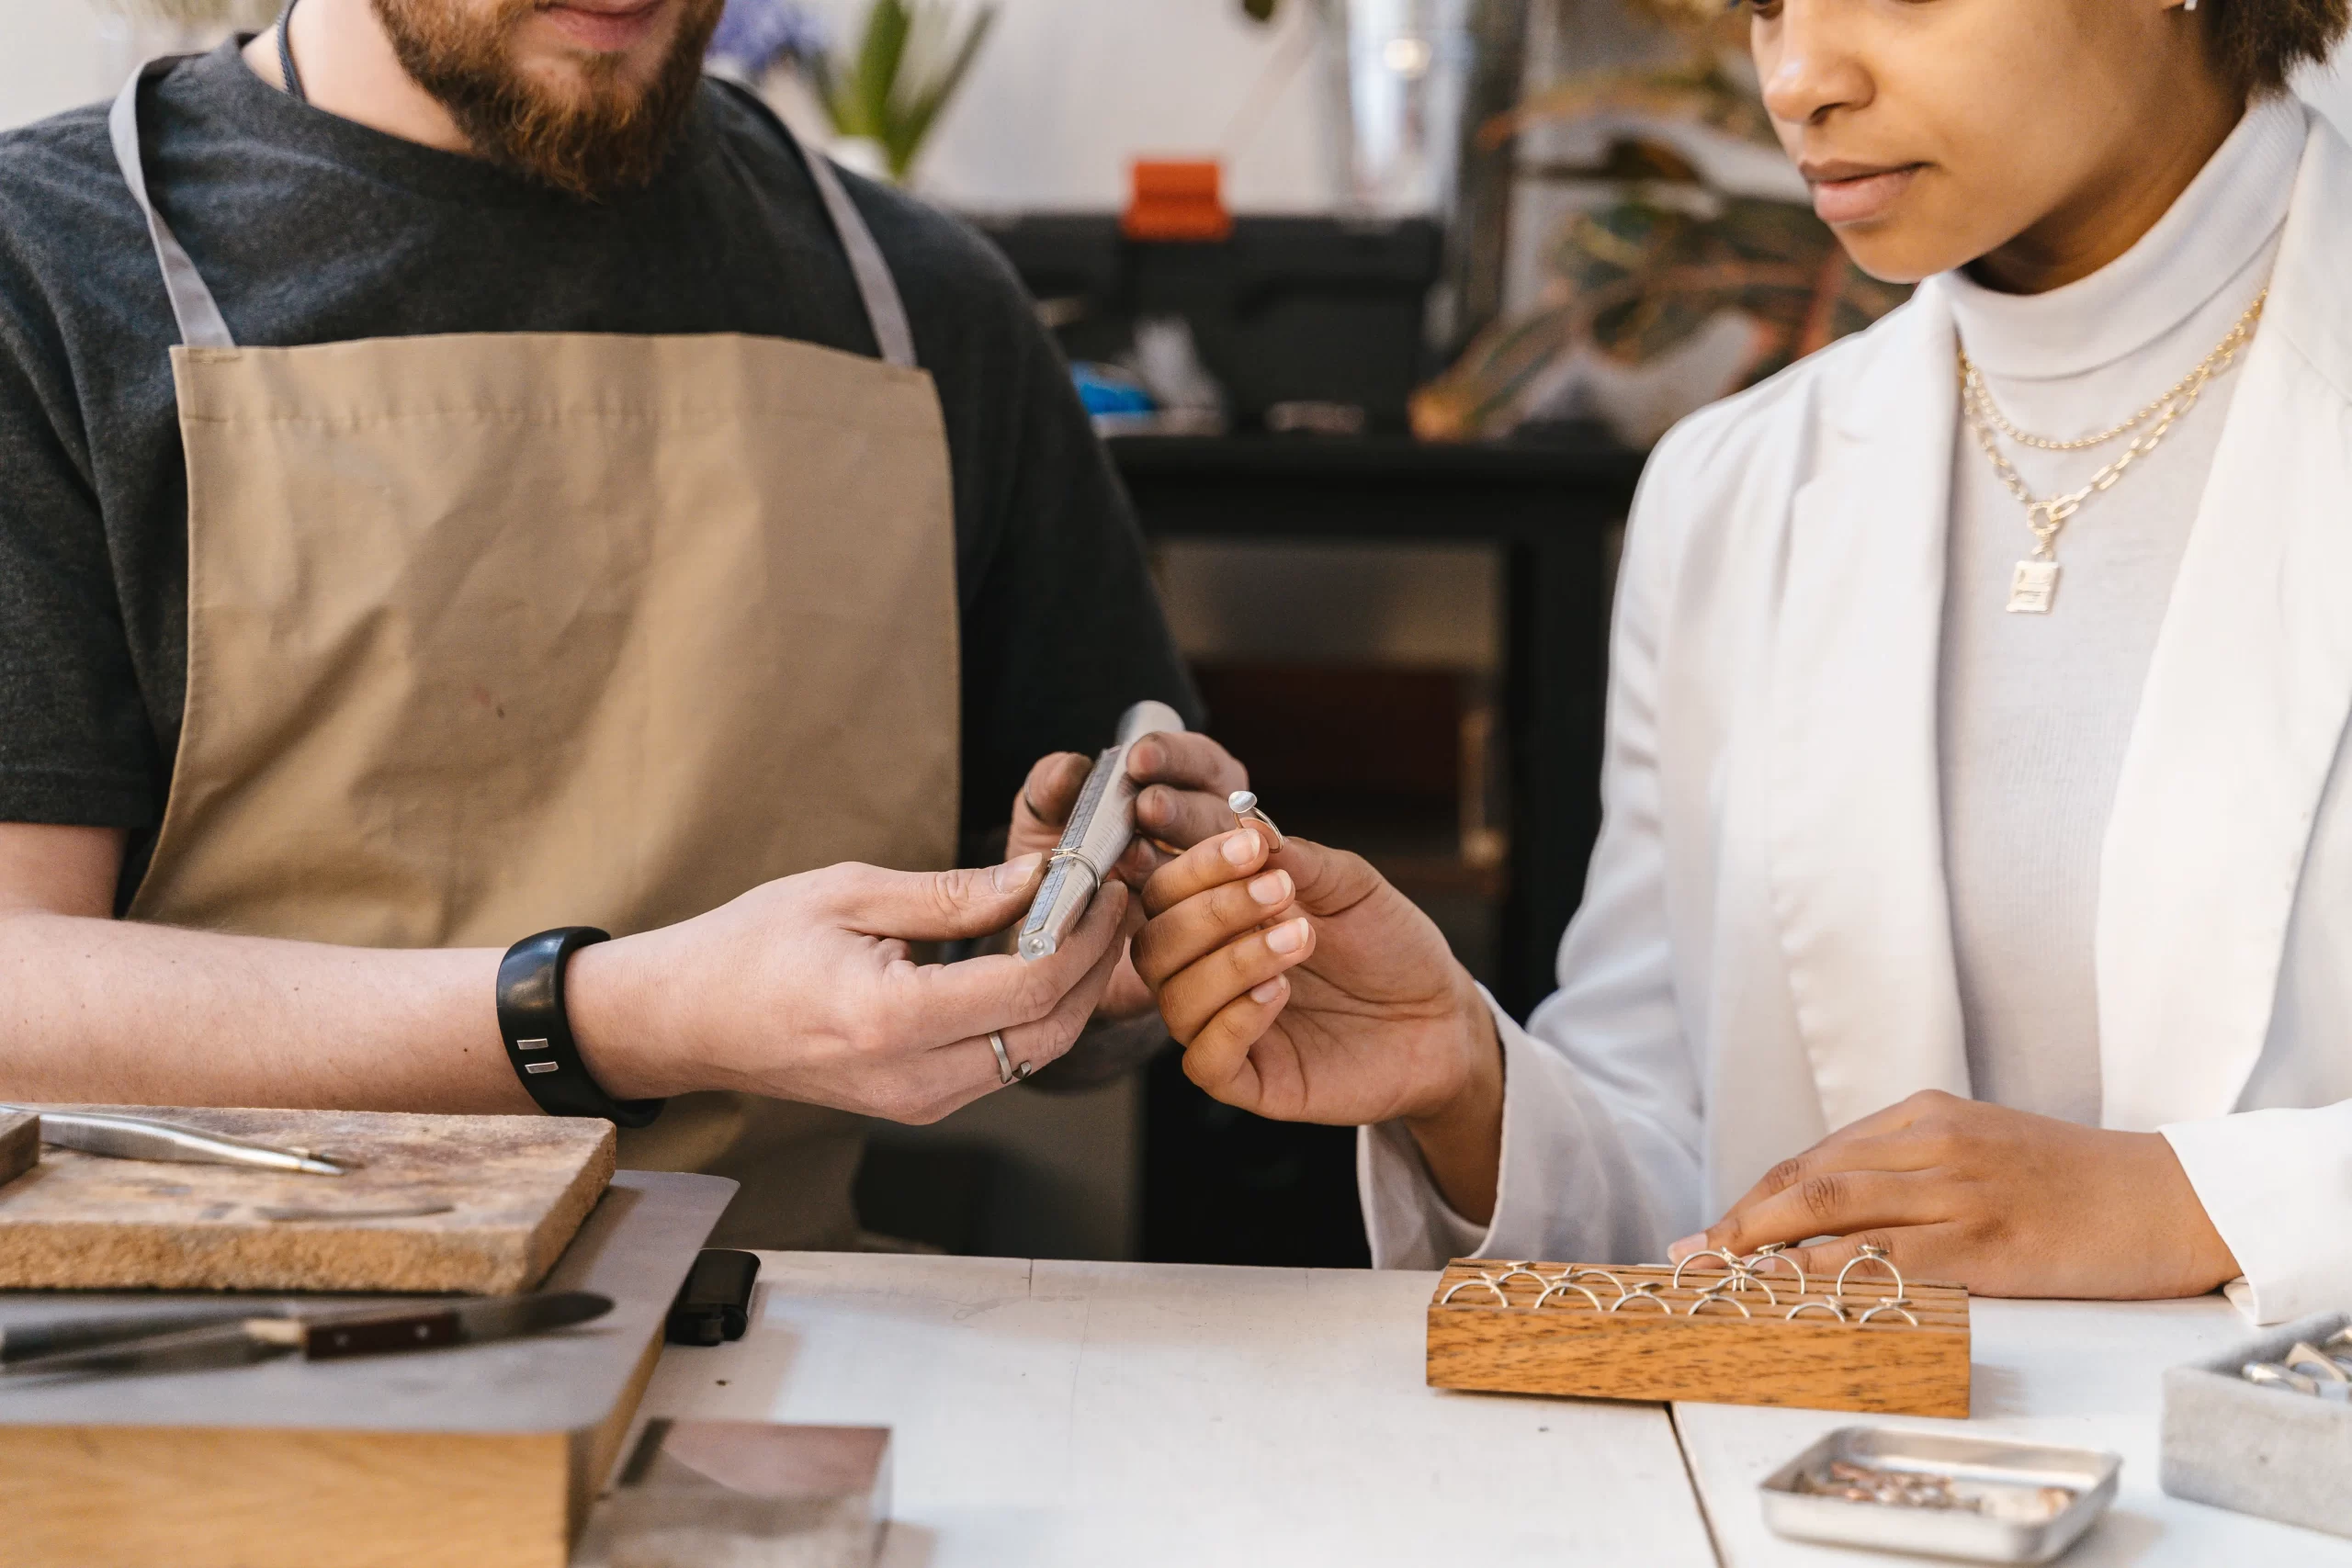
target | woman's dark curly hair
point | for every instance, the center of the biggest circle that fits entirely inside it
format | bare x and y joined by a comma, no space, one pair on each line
2259,43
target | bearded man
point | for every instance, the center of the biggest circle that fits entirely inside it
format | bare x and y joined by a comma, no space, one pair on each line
474,488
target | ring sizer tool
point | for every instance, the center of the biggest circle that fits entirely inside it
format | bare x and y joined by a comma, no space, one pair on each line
1101,825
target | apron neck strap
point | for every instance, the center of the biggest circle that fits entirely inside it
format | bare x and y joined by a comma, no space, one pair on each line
193,306
884,309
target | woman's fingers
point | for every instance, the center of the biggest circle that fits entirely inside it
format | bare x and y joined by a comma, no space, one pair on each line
1862,1147
1213,862
1217,1056
1919,1252
1829,1202
1203,989
1206,921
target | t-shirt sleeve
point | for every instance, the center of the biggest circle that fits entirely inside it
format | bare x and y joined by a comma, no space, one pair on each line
1063,628
76,744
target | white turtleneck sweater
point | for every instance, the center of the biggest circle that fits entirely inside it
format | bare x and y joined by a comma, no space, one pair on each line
2036,710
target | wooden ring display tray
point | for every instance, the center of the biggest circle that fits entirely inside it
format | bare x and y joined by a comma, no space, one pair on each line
1816,1362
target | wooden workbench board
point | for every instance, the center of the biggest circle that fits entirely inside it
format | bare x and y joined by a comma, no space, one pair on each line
516,1186
19,1145
1813,1362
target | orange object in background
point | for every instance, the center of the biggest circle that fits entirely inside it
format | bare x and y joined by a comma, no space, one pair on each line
1176,199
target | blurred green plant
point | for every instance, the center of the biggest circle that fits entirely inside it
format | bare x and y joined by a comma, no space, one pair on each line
909,63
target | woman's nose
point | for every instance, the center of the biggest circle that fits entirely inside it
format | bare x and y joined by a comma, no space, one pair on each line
1808,61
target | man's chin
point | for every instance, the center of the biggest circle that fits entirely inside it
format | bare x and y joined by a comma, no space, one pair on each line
594,123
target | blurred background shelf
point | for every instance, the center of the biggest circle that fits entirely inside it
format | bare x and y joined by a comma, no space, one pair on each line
1443,720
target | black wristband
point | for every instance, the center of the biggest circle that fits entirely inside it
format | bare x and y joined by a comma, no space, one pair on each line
537,1030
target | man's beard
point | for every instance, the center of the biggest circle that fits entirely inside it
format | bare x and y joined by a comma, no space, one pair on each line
595,139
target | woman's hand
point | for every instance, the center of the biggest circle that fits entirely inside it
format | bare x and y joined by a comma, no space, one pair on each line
2004,1202
1185,779
1304,987
804,989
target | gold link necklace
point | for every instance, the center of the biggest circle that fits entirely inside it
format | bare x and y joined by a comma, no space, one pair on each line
2033,587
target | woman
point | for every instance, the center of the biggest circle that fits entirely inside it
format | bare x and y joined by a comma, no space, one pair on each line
1927,775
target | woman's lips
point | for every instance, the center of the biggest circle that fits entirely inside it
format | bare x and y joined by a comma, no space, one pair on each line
604,27
1853,193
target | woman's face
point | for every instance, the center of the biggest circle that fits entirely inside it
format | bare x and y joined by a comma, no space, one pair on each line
1934,132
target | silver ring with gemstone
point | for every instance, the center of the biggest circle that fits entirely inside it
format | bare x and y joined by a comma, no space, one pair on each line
1243,803
1774,1252
1870,1252
1478,1279
1730,1262
1560,1288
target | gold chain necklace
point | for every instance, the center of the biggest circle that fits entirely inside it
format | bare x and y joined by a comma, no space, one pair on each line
2033,587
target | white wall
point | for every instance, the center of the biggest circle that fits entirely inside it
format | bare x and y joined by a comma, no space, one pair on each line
1065,93
1069,90
50,58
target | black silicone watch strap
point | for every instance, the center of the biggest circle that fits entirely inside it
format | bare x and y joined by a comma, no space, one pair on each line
537,1030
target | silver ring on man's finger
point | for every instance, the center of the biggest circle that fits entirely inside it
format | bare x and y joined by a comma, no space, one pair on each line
1006,1073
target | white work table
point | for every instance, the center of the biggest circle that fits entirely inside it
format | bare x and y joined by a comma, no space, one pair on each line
1137,1415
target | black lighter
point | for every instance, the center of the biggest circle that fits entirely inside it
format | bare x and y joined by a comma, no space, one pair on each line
715,1302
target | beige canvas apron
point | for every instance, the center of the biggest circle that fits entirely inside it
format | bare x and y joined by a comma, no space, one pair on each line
493,633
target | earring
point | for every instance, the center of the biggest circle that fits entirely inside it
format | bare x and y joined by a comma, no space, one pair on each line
2188,4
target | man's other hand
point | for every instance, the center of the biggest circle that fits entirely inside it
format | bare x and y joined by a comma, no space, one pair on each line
1184,778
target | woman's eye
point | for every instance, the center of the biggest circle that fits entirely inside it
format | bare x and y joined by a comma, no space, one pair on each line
1754,7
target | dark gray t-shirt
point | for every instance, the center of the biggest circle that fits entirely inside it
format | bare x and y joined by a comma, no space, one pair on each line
312,228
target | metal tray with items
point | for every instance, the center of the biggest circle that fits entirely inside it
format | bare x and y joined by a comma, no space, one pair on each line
1984,1499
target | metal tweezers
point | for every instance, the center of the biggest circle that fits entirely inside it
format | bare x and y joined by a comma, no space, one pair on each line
138,1137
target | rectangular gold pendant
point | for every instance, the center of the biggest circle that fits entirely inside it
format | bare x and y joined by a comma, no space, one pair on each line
2034,588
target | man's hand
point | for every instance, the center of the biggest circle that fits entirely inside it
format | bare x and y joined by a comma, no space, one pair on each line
804,989
1305,987
1186,779
2004,1202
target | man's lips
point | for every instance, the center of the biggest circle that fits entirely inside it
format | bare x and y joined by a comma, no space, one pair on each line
1855,192
604,27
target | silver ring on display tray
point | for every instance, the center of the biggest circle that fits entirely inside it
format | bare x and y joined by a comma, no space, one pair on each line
1870,1253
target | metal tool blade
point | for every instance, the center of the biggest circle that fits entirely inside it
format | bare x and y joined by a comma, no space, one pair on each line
29,1341
227,1345
511,1317
144,1138
303,1215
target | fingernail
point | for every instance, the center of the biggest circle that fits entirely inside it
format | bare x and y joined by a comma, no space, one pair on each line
1270,888
1015,874
1241,848
1685,1246
1288,937
1142,759
1267,992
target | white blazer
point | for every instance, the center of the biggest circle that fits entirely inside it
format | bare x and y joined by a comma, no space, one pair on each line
1764,952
